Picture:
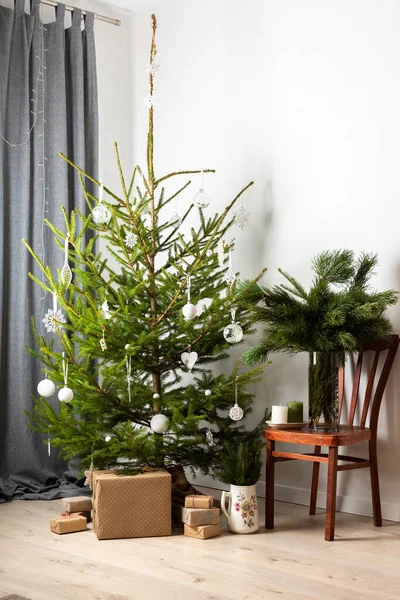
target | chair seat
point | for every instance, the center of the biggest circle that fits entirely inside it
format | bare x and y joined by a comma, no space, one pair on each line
347,434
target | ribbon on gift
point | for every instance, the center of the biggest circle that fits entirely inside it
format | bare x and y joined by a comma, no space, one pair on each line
65,517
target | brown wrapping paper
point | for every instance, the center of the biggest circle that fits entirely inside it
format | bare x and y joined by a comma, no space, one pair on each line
73,522
203,532
199,501
129,506
87,514
200,516
76,504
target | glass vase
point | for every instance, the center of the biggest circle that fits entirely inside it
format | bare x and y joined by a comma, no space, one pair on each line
323,390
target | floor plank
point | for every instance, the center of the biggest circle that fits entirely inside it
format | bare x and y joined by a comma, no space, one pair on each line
292,562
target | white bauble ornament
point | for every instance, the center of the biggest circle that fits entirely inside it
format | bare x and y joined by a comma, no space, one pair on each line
236,413
201,199
233,333
159,423
175,220
65,394
189,311
107,438
46,388
101,214
156,396
207,393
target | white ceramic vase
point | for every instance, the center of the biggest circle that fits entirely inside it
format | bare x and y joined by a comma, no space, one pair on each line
242,511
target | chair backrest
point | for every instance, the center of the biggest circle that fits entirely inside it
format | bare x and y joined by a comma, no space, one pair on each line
389,345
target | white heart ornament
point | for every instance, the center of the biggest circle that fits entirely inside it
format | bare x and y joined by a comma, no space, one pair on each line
189,360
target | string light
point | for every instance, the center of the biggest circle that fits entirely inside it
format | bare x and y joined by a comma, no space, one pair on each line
37,111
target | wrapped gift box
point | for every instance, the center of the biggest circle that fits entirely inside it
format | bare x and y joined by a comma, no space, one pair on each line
200,516
87,514
199,501
129,506
202,532
68,524
76,504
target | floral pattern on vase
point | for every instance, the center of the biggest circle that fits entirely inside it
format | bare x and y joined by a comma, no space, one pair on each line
247,509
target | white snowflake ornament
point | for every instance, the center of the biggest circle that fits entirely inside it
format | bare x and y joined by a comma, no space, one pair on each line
241,217
152,68
149,101
52,320
130,240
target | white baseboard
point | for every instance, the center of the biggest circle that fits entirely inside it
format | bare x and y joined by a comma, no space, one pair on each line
346,504
295,495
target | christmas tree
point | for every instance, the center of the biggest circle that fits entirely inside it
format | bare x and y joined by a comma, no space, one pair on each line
129,343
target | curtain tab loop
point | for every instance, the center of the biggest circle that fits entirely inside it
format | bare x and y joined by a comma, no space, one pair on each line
77,17
19,5
60,13
89,20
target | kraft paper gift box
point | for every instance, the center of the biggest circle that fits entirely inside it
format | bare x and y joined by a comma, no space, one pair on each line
68,524
202,532
199,501
77,504
87,514
200,516
130,506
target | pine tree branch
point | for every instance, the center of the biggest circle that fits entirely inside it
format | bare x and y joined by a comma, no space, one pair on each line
120,173
131,183
200,258
84,174
158,181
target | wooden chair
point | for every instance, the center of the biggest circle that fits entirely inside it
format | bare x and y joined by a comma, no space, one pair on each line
347,434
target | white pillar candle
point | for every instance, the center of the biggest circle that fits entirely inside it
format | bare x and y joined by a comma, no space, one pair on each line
279,414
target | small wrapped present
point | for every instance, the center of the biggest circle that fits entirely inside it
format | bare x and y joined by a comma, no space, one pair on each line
68,524
76,504
202,532
200,516
199,501
129,506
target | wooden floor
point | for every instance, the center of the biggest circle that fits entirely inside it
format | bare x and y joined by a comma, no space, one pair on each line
292,562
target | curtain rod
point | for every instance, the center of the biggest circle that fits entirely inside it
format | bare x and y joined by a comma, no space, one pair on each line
96,16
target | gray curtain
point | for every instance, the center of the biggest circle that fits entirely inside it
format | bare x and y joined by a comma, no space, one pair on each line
48,104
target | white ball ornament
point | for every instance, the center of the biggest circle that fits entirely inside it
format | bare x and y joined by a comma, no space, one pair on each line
159,423
65,394
207,393
156,396
46,388
107,438
101,215
201,199
189,311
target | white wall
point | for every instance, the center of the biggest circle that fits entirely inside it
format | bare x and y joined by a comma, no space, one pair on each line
303,98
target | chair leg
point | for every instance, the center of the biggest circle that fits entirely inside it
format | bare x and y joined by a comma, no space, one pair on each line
314,483
331,494
269,485
376,499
